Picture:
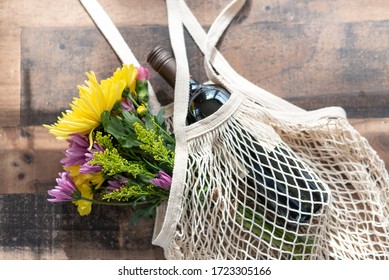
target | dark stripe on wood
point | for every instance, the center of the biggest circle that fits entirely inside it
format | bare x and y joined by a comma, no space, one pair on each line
29,223
356,105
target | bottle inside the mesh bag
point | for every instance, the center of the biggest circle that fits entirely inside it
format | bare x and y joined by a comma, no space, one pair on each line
286,186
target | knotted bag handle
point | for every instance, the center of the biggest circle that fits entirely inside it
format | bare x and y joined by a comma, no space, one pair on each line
214,60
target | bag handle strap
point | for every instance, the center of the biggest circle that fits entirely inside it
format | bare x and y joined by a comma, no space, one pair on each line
214,60
110,32
181,99
216,30
117,42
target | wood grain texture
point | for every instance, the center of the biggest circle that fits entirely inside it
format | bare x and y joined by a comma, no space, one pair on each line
353,76
40,230
312,53
30,159
10,76
352,59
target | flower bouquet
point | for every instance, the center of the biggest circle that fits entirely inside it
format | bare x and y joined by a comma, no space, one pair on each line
118,153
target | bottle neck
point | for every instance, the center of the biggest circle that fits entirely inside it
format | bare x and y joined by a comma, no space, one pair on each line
170,77
168,72
164,63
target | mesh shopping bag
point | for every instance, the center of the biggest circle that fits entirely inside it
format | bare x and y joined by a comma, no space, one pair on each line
262,178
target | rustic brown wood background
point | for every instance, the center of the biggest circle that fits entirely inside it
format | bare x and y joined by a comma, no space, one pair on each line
313,53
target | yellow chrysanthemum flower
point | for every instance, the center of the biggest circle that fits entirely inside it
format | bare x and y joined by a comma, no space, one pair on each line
84,183
126,74
94,98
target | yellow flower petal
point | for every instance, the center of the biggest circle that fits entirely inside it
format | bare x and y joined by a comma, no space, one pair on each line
94,98
84,183
84,207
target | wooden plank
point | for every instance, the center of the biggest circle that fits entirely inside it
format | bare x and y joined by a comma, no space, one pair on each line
323,15
301,11
10,76
30,159
356,104
309,60
38,229
70,13
41,97
66,55
30,156
132,12
287,64
376,131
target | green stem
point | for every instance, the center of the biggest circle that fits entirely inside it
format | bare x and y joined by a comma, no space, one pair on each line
133,100
165,132
152,165
116,203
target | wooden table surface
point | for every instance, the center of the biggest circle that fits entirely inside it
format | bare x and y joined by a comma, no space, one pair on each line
312,53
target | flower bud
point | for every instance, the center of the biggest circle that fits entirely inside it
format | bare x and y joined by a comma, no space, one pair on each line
142,91
162,180
143,73
141,111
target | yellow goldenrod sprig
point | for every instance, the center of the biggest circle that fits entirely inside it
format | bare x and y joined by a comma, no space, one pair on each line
153,144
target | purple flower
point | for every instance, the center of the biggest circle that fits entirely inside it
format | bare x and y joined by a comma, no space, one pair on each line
162,180
143,73
86,168
65,189
75,154
90,169
78,154
126,104
116,184
95,148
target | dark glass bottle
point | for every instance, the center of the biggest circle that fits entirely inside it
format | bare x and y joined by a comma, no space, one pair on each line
287,187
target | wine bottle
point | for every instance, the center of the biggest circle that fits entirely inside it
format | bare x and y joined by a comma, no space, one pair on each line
287,187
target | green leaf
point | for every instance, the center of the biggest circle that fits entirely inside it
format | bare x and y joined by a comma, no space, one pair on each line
116,106
120,129
130,118
111,125
149,122
160,118
146,212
